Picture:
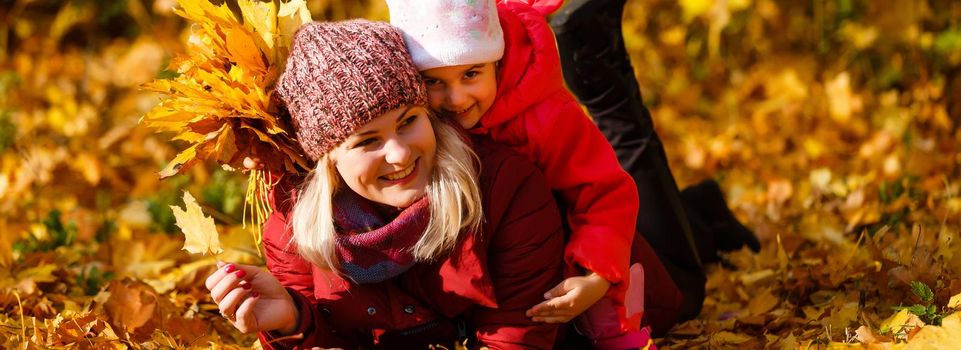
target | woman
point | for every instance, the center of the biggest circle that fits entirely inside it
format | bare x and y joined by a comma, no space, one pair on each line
383,244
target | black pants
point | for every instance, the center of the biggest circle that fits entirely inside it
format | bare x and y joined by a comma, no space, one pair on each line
598,71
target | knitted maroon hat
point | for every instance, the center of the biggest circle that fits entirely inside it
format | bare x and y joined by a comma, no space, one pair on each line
341,75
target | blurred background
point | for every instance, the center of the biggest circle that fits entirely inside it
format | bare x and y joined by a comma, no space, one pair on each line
832,126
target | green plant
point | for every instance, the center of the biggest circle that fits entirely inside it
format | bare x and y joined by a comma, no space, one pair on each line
8,131
90,280
925,310
58,235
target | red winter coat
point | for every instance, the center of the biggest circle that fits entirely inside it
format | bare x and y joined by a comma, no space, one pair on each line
538,117
488,281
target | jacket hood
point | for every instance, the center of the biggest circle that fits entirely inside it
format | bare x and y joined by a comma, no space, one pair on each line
530,70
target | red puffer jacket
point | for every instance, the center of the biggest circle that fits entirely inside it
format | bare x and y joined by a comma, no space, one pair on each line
537,116
486,284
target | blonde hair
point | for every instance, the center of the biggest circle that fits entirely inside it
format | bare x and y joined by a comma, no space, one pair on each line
453,196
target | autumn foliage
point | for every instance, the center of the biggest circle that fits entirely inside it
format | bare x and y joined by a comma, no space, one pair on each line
833,127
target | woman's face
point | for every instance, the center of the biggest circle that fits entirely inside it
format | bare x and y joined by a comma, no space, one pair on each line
389,160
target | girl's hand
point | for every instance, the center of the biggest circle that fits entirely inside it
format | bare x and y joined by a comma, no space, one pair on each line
252,299
569,299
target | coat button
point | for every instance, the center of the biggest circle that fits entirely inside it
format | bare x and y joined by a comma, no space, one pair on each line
409,309
371,311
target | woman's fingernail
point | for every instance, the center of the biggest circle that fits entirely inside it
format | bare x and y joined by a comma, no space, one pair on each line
230,268
241,274
245,286
254,294
546,295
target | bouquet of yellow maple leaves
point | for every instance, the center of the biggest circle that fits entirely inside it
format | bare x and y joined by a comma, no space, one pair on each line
221,102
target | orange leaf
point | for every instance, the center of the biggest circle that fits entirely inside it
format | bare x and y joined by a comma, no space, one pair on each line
130,307
244,51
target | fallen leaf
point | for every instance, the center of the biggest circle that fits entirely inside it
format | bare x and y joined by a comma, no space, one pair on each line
762,302
901,322
933,337
955,301
729,338
865,335
130,306
780,191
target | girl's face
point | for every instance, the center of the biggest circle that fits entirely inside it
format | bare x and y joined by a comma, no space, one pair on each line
389,160
464,92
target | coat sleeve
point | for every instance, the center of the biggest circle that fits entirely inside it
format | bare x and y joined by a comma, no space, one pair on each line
601,198
295,274
524,246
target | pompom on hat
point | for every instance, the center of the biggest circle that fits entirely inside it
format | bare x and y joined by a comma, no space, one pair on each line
341,75
442,33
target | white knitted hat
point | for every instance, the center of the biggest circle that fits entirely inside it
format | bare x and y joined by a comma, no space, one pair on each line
443,33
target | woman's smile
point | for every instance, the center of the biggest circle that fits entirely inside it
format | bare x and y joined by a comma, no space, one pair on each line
403,176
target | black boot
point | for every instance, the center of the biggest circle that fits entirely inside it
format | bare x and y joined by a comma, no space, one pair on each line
594,59
705,200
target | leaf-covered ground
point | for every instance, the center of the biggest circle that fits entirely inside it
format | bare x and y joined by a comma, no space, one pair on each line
833,127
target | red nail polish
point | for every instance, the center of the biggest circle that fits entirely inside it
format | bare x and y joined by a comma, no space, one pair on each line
241,274
254,294
246,286
231,268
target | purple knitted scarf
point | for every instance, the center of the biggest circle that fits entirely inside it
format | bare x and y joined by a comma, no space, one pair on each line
375,246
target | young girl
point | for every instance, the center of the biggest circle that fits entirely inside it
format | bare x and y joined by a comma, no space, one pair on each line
496,70
382,245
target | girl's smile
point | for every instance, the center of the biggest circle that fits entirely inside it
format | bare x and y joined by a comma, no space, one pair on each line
464,92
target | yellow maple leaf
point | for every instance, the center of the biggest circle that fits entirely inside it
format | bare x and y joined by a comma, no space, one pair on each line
290,17
261,19
200,233
227,80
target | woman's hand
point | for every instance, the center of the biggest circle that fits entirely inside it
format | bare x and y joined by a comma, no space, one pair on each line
252,163
569,299
252,299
